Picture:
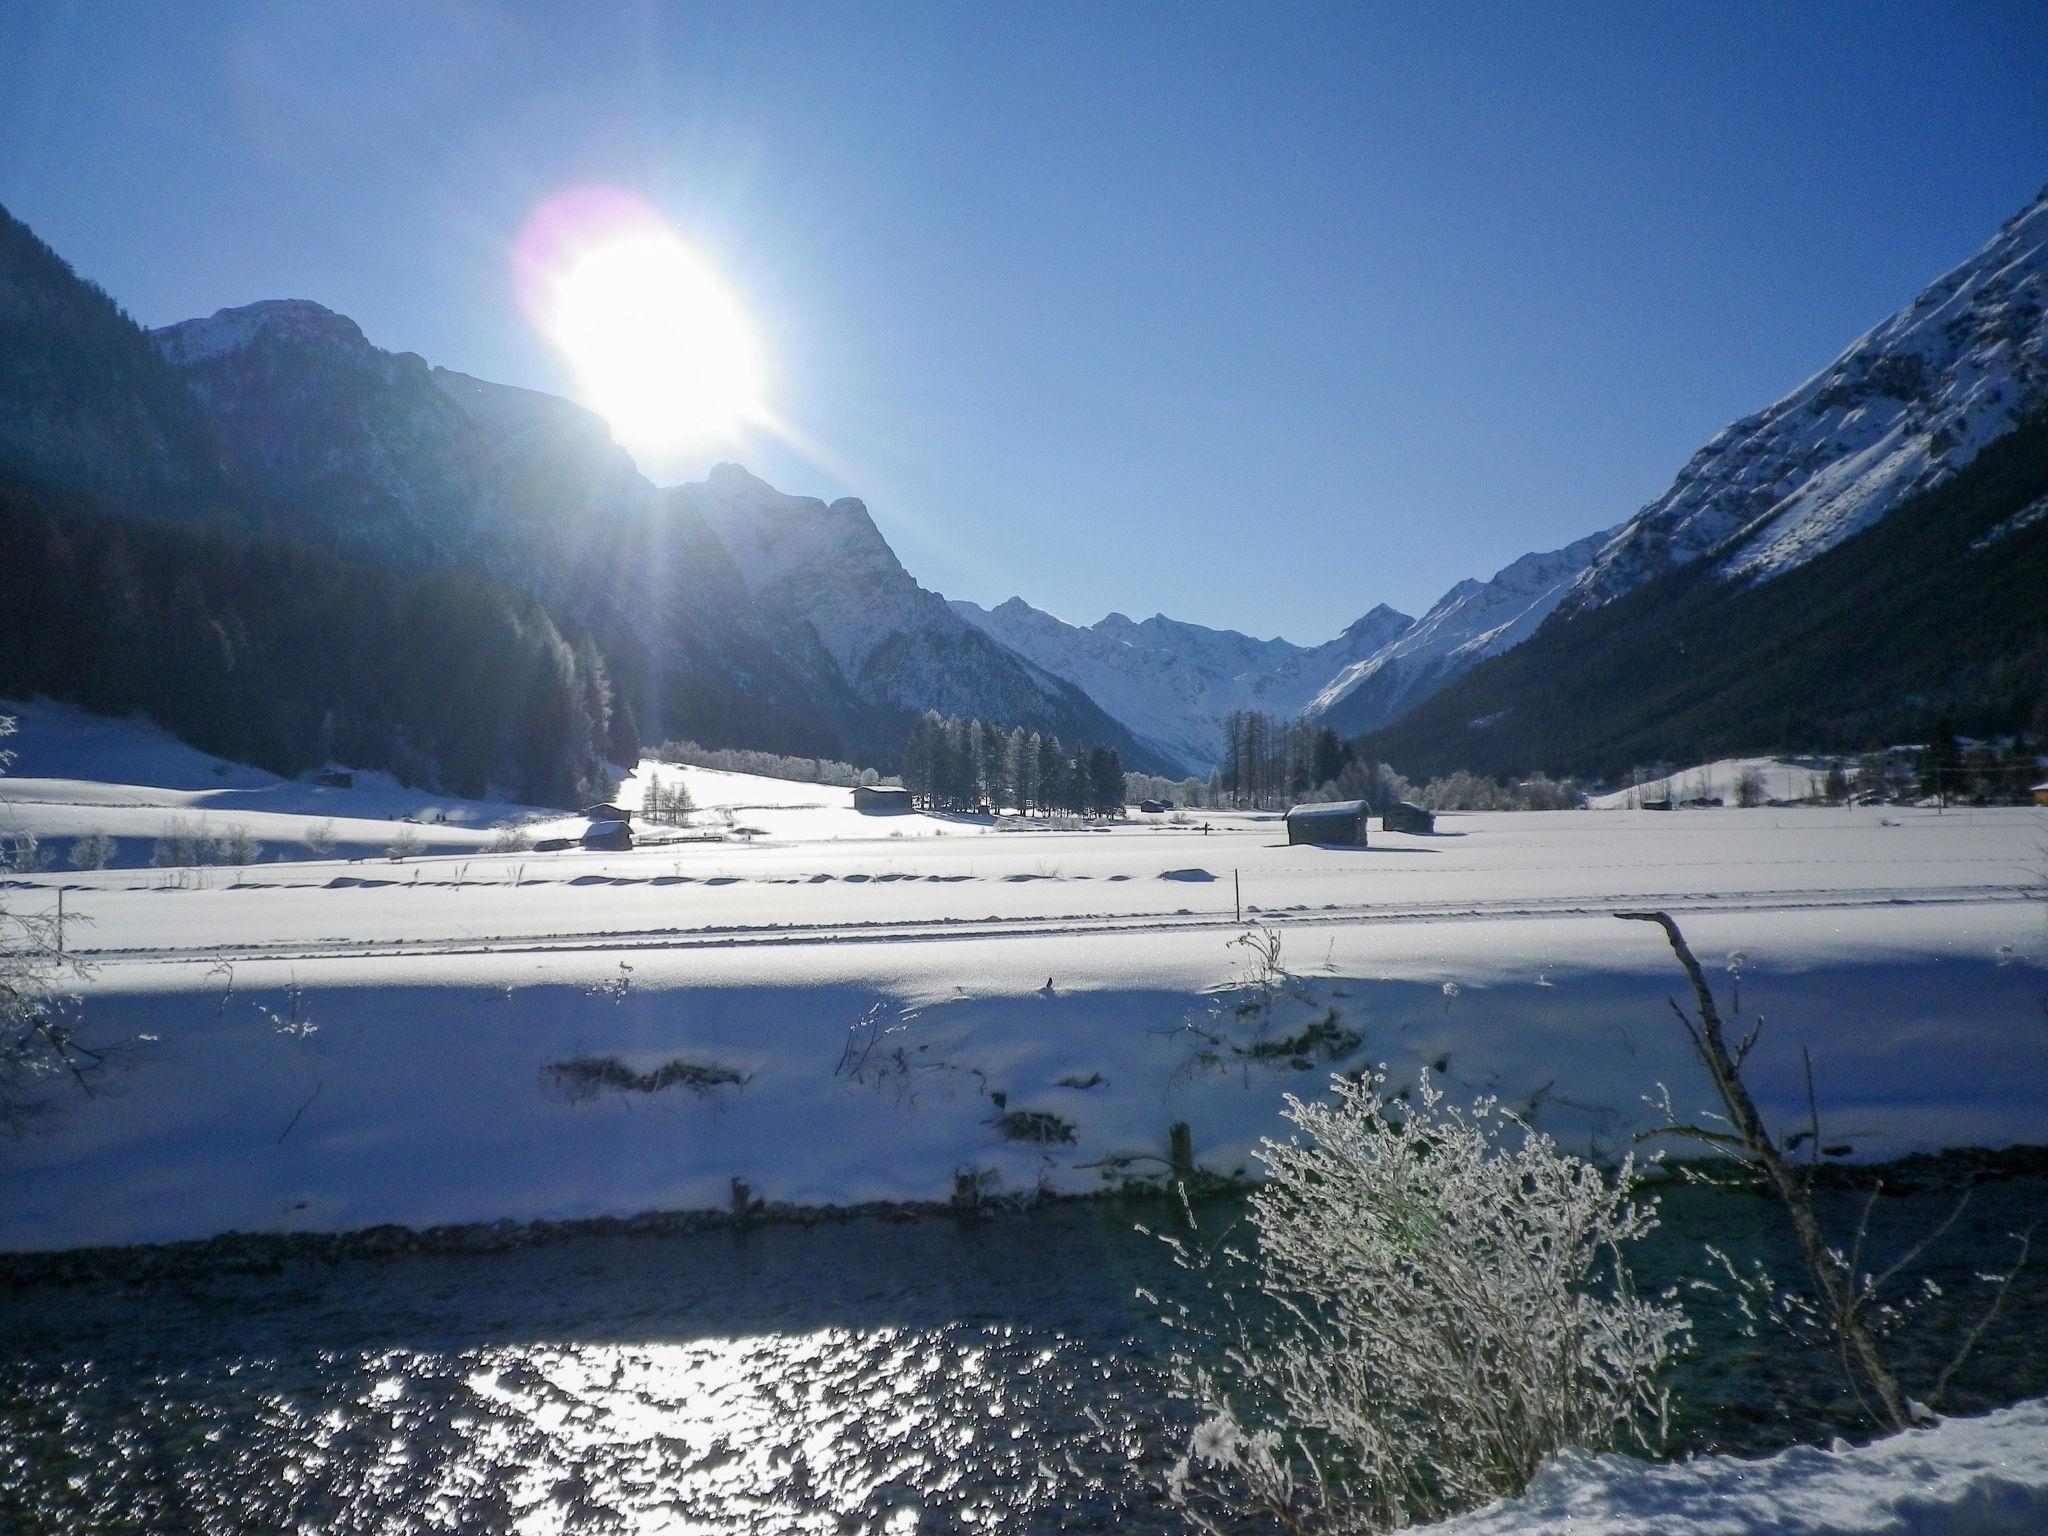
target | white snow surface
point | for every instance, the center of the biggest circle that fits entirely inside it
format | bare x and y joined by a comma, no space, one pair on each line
1985,1476
1782,778
76,773
878,979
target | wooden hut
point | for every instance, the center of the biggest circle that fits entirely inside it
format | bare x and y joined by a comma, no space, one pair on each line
1407,816
613,836
881,799
1339,824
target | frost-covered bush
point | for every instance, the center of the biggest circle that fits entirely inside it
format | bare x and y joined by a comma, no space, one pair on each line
1436,1301
319,839
95,850
509,837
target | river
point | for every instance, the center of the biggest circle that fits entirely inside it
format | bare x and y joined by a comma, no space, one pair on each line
939,1374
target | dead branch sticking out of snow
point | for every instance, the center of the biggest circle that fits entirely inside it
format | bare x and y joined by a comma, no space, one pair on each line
1850,1306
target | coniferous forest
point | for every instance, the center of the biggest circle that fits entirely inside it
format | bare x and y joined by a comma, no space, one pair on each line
976,768
287,657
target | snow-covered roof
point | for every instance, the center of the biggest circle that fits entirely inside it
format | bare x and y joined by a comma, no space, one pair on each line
1333,809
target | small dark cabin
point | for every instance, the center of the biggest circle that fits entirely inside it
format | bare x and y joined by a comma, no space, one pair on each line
606,813
335,778
1407,816
1340,824
613,836
1154,807
881,799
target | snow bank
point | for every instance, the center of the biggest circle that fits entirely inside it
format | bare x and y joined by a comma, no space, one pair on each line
1782,778
1985,1476
75,774
429,1087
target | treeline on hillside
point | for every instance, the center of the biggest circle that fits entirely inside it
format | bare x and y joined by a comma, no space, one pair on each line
974,767
771,765
287,657
1270,763
1934,611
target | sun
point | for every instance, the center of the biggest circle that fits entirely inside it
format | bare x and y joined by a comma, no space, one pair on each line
661,347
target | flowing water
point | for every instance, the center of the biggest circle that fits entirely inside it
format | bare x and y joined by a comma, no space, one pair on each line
869,1375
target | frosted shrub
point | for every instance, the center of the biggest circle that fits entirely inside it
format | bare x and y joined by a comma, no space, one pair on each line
319,839
95,850
1437,1300
509,837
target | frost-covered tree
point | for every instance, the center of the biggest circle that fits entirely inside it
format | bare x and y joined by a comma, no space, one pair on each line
95,850
38,1043
1437,1300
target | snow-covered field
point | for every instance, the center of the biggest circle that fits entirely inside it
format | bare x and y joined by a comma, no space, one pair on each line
1777,778
834,1007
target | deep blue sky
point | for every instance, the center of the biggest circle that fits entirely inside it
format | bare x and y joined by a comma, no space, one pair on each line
1257,315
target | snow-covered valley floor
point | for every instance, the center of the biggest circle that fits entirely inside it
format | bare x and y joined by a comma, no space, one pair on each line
839,1007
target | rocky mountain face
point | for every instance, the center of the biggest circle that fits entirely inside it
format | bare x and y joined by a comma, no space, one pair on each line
1902,409
331,439
828,569
1172,682
766,617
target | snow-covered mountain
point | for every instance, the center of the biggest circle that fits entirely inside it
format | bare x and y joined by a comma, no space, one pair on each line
763,609
1172,682
1904,407
829,568
1472,621
1900,410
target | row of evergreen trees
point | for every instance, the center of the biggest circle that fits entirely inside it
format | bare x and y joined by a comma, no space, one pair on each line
1267,761
975,767
287,657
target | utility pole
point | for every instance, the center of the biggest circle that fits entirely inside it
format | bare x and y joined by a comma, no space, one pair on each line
1236,892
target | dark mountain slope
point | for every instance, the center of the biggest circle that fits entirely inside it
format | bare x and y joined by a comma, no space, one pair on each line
86,403
1942,607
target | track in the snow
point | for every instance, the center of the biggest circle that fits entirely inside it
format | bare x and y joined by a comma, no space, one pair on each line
940,929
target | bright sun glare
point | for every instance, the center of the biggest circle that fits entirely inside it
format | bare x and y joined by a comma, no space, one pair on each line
663,350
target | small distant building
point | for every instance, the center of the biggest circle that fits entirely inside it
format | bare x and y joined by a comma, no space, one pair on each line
881,799
553,845
1657,805
2040,794
607,813
1407,816
612,836
1154,807
335,778
1339,824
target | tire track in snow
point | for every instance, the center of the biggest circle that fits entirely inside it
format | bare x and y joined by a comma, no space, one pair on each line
925,930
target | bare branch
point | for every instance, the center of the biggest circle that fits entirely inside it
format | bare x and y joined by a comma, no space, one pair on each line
1997,1301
